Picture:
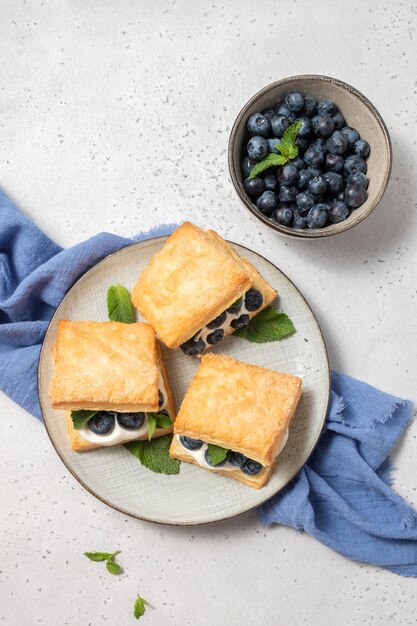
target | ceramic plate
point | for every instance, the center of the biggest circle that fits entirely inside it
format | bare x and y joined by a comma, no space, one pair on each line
194,496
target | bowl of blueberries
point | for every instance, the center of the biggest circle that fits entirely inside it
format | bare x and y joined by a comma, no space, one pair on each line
310,156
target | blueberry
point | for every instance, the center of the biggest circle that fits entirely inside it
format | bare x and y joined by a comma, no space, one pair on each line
351,134
354,164
240,322
313,156
299,163
358,177
317,216
161,398
283,216
218,321
270,181
306,128
279,125
309,106
333,162
102,423
254,186
235,307
247,165
355,195
259,125
190,444
287,175
335,182
287,194
251,467
215,336
253,300
323,125
319,144
267,202
236,458
207,458
282,109
337,143
362,148
327,106
294,101
130,421
258,147
302,144
317,185
303,178
268,113
300,219
305,200
192,347
338,120
314,171
272,143
337,211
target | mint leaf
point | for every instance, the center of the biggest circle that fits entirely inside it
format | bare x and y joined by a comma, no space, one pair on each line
140,607
79,418
118,305
288,138
268,325
154,454
151,425
270,160
162,420
216,454
99,556
112,567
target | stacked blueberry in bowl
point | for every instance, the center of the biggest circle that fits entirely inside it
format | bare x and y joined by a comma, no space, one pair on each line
304,166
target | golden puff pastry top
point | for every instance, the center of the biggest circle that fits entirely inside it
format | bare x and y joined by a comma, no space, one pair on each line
104,365
188,283
239,406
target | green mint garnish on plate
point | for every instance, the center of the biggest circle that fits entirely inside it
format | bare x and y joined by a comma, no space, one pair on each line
109,557
157,420
286,148
140,607
269,325
216,454
80,418
154,454
118,305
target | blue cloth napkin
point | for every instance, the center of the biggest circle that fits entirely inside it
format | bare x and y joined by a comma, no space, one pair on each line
342,496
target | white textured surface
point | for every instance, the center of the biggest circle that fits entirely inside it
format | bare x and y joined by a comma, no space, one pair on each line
115,116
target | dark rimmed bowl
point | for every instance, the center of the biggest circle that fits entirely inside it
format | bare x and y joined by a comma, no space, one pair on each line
358,111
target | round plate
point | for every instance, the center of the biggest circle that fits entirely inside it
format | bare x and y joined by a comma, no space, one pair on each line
194,496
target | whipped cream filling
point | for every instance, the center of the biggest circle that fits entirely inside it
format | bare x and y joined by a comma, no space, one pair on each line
227,324
120,434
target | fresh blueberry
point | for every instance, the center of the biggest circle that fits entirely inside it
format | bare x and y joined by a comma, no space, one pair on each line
327,106
279,125
294,101
335,182
253,300
282,109
352,135
338,120
218,321
303,179
235,307
267,202
208,460
272,143
317,216
354,164
299,163
254,186
192,347
313,156
323,125
251,467
333,162
337,143
362,148
102,423
130,421
314,171
190,444
300,219
287,175
319,144
259,125
317,185
283,216
302,144
270,181
236,458
247,165
309,106
161,398
337,211
358,177
215,336
268,113
355,195
240,322
305,200
287,194
306,127
258,147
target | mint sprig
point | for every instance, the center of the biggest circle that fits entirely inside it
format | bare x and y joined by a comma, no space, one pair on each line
154,454
216,454
140,606
119,306
286,147
80,418
157,420
269,325
109,557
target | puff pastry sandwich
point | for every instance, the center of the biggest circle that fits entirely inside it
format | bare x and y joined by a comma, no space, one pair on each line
115,371
242,408
197,289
